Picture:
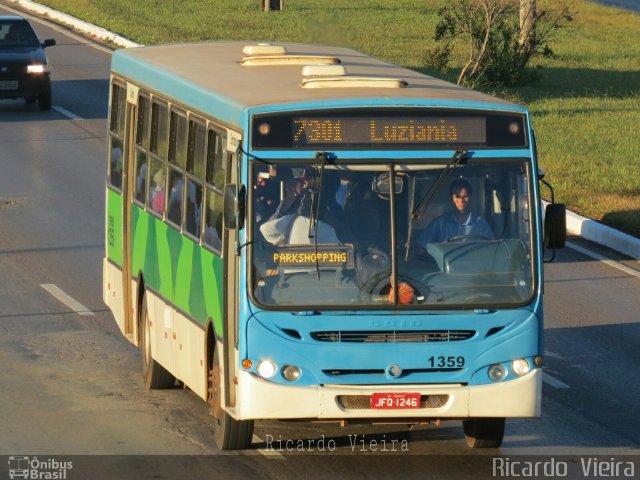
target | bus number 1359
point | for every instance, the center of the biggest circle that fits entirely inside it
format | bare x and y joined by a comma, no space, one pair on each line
446,362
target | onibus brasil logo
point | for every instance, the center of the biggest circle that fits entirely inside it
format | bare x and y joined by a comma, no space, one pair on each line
36,469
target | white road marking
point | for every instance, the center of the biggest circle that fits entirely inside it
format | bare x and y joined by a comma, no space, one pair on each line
274,454
66,113
603,259
63,297
553,382
550,354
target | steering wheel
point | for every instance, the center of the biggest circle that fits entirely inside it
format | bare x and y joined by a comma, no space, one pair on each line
474,236
380,284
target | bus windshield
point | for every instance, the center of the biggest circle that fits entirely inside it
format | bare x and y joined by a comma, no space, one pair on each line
323,236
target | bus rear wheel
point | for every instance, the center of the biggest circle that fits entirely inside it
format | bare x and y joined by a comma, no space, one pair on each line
229,433
155,375
484,432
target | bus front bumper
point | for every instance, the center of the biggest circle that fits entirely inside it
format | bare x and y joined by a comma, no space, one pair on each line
260,399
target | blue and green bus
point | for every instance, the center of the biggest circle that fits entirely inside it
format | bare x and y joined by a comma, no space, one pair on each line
302,232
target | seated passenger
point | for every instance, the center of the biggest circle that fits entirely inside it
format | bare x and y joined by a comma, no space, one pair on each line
460,222
355,210
157,194
293,228
266,193
294,187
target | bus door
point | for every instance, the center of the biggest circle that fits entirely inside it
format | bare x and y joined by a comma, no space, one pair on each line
231,280
127,200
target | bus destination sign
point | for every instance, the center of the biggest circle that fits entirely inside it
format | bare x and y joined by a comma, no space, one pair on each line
388,129
309,131
323,255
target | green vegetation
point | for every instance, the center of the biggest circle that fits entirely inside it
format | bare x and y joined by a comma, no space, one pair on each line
586,107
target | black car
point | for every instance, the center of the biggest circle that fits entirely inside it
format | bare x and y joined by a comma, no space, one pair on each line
24,71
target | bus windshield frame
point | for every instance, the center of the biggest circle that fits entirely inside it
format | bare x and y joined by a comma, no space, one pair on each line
350,263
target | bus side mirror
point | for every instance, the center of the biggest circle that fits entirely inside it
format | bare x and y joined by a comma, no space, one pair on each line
555,225
49,42
235,200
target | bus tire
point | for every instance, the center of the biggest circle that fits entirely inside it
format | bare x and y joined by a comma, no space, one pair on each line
229,433
155,375
483,432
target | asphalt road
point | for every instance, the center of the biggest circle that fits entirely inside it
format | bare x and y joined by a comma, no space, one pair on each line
71,384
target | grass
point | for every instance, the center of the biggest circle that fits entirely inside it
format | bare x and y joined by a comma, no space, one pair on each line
585,108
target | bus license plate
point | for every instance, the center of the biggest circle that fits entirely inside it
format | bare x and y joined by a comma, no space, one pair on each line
8,85
395,400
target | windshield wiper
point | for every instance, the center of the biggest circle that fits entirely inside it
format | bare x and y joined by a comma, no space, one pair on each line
322,158
417,212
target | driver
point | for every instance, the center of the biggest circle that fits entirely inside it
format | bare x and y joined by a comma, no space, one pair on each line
459,222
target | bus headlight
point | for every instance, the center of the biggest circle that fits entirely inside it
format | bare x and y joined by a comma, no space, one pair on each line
291,373
266,368
520,367
497,372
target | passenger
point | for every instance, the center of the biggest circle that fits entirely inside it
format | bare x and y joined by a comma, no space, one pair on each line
174,212
355,210
141,183
293,190
116,165
194,208
266,194
460,222
293,228
157,199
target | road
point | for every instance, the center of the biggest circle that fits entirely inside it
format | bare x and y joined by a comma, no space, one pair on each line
71,384
632,5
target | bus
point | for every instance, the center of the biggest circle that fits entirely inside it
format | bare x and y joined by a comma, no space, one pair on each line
304,232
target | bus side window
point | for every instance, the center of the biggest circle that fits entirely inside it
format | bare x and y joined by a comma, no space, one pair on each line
213,219
215,159
193,208
116,136
159,117
144,122
174,206
118,108
141,176
116,162
196,149
178,139
142,145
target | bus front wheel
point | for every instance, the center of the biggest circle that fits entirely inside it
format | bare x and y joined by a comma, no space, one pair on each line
229,433
483,432
154,374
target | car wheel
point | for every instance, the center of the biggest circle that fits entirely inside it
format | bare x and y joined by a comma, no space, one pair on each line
44,99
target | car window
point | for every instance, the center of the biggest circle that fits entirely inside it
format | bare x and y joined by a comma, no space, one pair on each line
17,34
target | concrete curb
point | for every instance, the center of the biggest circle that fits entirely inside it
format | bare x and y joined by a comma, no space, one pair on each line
76,23
603,235
577,225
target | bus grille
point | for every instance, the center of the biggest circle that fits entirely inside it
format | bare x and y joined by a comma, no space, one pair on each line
363,402
393,336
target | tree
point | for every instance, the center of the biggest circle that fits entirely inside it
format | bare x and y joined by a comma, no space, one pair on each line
502,36
527,15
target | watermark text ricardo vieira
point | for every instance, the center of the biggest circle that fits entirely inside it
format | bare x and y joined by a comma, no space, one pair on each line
590,467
